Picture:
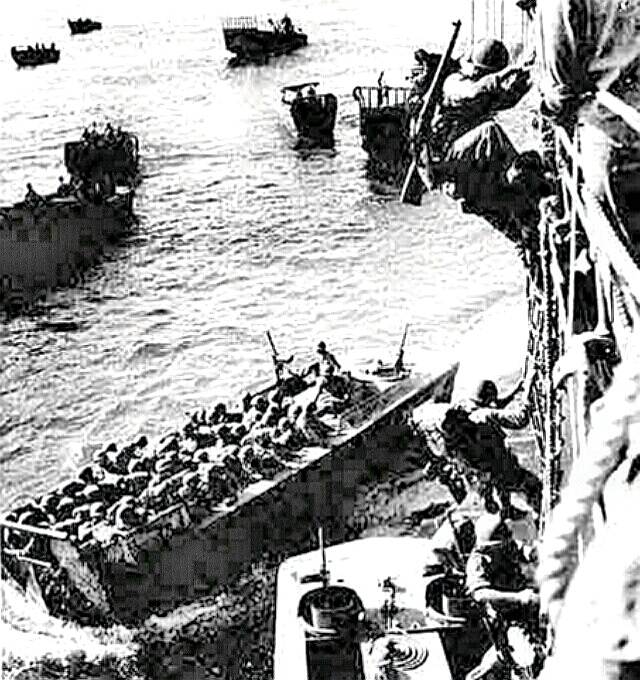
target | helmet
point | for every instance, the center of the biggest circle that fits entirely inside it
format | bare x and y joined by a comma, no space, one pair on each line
421,56
321,347
489,55
485,393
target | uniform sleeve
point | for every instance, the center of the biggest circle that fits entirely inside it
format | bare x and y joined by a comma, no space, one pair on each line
566,46
478,567
475,94
513,417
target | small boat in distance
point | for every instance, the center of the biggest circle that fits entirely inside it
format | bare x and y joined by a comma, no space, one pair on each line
314,115
84,26
30,56
253,43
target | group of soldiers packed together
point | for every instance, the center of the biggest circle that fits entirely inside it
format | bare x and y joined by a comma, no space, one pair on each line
211,461
39,49
110,138
80,187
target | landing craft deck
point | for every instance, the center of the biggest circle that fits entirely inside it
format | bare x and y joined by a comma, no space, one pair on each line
365,609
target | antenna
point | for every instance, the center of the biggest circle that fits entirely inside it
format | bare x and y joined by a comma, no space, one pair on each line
323,557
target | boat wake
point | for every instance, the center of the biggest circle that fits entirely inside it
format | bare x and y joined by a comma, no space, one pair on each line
32,638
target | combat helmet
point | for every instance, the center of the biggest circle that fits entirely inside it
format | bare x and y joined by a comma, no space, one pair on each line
489,55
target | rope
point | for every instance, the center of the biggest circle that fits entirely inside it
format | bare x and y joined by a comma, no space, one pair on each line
608,437
548,356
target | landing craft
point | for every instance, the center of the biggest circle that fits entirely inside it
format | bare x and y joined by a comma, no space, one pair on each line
84,26
254,42
27,56
49,245
117,155
313,114
217,493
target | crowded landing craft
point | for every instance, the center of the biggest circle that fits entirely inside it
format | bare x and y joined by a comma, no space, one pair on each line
509,582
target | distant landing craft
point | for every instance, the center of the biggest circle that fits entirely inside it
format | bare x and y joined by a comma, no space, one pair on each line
27,56
83,26
314,115
254,44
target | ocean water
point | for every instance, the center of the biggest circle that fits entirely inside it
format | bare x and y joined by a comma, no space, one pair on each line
238,233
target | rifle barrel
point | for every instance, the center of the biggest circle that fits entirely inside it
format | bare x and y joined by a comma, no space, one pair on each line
273,347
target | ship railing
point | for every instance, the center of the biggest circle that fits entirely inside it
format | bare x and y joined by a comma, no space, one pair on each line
23,554
371,98
614,275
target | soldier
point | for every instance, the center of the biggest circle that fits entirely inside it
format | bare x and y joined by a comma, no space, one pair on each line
588,46
466,146
287,25
63,188
32,199
496,578
473,432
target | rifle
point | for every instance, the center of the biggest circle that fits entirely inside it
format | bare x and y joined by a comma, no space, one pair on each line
399,365
413,184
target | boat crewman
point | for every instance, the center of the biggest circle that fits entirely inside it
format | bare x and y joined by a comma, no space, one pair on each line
324,369
287,25
32,199
328,362
497,579
64,189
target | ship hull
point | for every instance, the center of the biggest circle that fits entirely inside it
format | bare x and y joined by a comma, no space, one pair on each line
51,246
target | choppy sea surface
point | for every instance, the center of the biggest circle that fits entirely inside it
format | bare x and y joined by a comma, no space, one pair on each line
238,233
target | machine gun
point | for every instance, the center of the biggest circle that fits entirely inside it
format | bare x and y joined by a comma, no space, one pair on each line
396,370
399,365
278,364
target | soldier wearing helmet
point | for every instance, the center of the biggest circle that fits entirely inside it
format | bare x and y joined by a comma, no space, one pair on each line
473,433
485,84
498,579
470,149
